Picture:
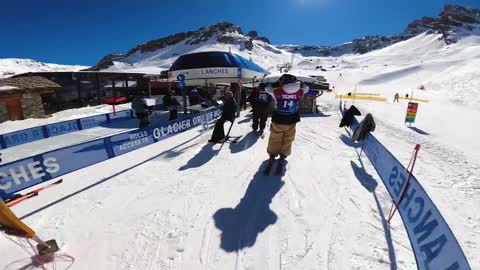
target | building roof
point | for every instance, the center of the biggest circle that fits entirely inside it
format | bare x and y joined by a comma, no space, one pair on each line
214,59
120,75
27,84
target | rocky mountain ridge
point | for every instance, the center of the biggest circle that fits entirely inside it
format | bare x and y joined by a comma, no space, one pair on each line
452,23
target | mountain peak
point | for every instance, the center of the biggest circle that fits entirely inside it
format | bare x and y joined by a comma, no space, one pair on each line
222,32
452,21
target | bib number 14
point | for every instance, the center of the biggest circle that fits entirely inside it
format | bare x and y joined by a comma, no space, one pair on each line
288,104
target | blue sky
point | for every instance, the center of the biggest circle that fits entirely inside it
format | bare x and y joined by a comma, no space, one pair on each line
83,31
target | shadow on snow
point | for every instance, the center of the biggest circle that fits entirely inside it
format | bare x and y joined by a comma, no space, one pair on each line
202,157
241,225
246,142
369,183
419,131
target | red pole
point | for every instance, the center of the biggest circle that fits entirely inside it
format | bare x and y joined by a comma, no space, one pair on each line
32,193
404,188
113,107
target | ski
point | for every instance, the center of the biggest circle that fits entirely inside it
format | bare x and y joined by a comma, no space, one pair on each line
230,139
234,139
20,198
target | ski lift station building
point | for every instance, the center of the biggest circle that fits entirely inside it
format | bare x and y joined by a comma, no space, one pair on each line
215,67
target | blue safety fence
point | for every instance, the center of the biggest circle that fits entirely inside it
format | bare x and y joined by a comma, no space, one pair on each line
21,174
55,129
432,240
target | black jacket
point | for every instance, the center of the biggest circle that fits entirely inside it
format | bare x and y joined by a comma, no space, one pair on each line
170,100
285,119
349,115
365,127
195,98
229,109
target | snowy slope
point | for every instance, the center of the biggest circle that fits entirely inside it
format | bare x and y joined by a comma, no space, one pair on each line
219,212
449,163
13,66
262,53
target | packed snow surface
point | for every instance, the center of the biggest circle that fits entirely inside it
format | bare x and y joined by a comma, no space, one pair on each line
185,204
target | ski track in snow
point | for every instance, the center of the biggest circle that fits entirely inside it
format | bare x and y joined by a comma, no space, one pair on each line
326,219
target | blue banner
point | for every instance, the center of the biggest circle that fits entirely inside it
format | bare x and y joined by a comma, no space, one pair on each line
121,115
23,136
93,121
62,128
434,245
27,172
55,129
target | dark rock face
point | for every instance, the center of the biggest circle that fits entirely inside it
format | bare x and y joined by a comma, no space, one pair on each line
461,14
106,61
249,44
228,40
160,43
371,43
221,30
450,17
252,34
264,39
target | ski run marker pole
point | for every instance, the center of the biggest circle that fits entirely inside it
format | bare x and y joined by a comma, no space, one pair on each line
395,206
32,193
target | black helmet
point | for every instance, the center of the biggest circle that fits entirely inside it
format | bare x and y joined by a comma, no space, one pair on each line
287,78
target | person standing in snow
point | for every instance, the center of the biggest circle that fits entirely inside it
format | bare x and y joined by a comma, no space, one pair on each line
141,109
260,101
228,114
243,99
396,97
253,97
285,117
195,98
171,104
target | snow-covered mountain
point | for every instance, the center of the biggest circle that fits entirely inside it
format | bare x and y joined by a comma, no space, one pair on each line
453,24
13,66
159,54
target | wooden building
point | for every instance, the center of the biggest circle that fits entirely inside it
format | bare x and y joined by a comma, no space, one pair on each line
89,88
23,97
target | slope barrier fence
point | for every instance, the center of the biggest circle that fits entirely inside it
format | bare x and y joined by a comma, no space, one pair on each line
434,245
27,172
29,135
